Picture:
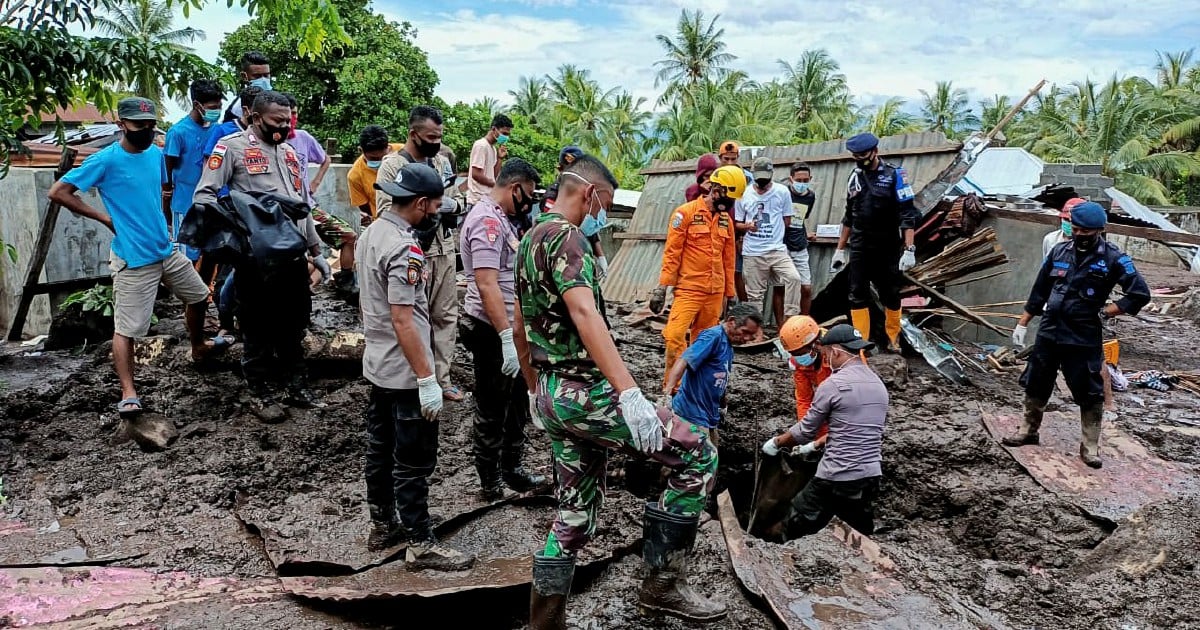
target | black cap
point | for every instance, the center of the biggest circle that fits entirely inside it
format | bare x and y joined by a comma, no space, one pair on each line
414,180
846,336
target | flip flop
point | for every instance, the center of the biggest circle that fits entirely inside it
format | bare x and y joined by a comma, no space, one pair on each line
453,393
130,408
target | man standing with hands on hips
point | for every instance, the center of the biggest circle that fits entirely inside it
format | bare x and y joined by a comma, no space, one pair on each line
1071,295
879,226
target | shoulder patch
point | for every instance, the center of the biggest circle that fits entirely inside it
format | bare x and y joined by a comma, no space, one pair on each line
904,190
214,161
1126,261
219,149
676,220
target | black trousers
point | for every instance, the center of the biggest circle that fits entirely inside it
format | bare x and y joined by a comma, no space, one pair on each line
877,266
1080,367
821,500
273,307
401,455
501,402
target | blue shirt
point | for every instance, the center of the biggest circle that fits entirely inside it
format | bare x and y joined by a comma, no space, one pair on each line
185,141
709,360
218,132
130,185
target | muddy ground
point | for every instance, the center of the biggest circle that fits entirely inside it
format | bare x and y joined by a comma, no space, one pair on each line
962,521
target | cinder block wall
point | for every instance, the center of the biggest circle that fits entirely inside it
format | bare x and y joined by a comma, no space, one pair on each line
1086,179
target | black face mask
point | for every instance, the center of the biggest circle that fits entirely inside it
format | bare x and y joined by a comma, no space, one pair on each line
428,149
273,135
763,183
722,204
141,139
1086,243
522,205
865,164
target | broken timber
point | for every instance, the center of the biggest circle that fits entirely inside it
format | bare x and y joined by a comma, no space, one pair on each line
1152,234
956,307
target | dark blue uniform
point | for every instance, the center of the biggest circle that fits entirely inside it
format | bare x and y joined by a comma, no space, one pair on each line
1071,289
879,205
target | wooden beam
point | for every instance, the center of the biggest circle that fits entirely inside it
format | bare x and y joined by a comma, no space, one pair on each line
690,167
1153,234
639,236
955,306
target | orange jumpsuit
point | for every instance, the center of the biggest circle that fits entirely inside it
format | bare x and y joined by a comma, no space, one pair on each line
698,261
807,379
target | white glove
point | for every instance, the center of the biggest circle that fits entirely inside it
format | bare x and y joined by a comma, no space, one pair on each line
839,261
534,416
642,419
431,396
601,267
908,260
805,449
322,265
770,447
511,364
1019,336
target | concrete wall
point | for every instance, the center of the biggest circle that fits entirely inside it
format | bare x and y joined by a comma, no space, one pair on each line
1086,179
81,247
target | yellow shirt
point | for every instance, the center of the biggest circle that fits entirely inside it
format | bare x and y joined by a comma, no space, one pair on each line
361,180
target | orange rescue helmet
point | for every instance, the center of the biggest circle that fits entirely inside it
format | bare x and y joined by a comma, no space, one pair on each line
732,178
798,331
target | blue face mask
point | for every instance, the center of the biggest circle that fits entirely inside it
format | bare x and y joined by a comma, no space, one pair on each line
501,139
1066,229
261,82
800,187
806,360
211,115
374,164
592,224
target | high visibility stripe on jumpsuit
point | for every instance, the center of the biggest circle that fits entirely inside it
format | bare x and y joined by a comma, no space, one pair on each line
698,261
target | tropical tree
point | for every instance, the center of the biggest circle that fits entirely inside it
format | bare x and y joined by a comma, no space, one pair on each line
530,99
888,118
947,109
148,23
817,93
695,54
992,110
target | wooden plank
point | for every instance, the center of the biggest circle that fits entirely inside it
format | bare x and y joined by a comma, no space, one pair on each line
639,236
956,307
690,167
40,251
1153,234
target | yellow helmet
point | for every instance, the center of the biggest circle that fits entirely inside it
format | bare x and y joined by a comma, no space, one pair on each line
732,179
798,331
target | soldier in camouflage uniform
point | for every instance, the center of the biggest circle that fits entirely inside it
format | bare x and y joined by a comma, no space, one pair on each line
584,397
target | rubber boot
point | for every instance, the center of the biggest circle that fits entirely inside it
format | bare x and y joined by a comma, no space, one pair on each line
385,529
892,325
861,318
515,476
667,542
550,590
1028,433
1089,449
491,487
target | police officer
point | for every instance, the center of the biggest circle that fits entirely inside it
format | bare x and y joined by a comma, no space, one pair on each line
405,401
1071,295
274,301
879,226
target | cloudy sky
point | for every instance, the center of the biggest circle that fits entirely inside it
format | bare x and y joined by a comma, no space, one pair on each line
885,48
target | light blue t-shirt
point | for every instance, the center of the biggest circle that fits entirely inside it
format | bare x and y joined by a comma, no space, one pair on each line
186,140
130,185
709,359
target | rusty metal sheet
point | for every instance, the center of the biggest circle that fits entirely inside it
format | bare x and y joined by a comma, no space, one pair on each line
97,597
854,585
1131,477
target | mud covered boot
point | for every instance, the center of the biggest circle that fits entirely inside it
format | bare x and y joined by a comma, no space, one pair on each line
300,396
1089,448
345,284
385,529
667,542
1028,433
521,480
550,590
426,552
265,405
491,487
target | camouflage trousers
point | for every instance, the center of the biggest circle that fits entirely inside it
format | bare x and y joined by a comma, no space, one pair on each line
583,422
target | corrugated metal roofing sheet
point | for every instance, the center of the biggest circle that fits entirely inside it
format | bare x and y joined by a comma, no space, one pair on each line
1003,171
634,270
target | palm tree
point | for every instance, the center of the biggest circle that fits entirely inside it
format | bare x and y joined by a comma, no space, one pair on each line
888,119
993,110
947,110
490,105
1173,69
697,53
530,98
817,92
623,129
148,23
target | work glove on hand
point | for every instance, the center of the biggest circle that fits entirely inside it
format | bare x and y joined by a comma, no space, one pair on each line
534,416
908,260
770,448
806,449
430,394
1018,337
511,364
322,265
601,267
658,300
839,261
642,419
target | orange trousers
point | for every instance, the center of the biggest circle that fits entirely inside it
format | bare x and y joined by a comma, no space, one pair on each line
692,311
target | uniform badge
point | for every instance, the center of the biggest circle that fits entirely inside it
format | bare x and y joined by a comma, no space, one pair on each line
293,164
904,190
676,220
214,162
256,162
492,229
416,264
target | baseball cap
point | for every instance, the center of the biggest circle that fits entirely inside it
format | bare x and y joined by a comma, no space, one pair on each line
1065,213
862,143
847,337
136,108
729,146
413,180
568,155
762,167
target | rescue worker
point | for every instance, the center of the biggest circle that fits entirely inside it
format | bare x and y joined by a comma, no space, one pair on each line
1071,295
698,261
800,338
853,404
424,145
489,250
584,397
1063,234
402,415
274,302
879,226
566,157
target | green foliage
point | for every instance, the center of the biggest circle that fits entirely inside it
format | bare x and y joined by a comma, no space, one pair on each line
948,110
375,79
148,22
98,298
464,124
314,26
8,250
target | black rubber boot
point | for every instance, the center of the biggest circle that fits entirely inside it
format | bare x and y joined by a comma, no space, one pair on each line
1028,433
1089,449
521,480
385,529
491,487
667,542
550,590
